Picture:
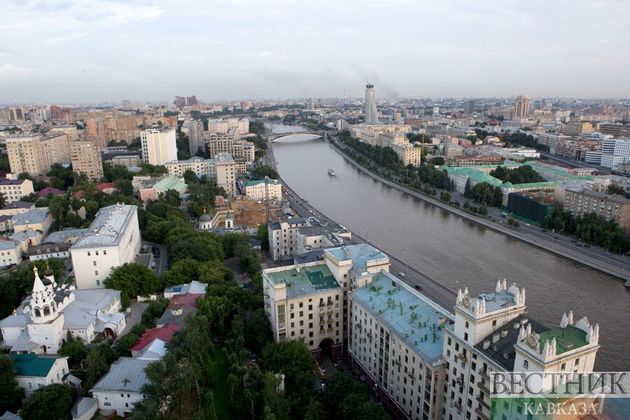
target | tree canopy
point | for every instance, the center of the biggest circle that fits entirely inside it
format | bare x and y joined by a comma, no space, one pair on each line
52,402
133,280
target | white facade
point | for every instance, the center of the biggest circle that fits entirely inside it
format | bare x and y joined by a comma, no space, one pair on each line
283,237
158,146
200,166
259,190
371,114
14,189
121,388
31,378
10,252
112,240
226,171
492,334
51,311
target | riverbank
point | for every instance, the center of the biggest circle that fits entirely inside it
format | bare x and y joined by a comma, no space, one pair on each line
525,237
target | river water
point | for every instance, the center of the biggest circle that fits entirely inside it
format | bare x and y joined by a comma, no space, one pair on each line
454,251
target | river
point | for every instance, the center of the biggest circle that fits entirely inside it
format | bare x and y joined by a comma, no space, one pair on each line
454,251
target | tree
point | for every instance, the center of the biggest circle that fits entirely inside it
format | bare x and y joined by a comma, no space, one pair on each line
3,200
263,236
294,360
74,349
133,280
95,367
437,161
52,402
10,393
265,170
445,196
124,186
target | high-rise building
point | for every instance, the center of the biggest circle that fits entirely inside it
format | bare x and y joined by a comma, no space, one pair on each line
86,159
230,143
469,107
95,130
522,107
226,170
371,114
194,131
492,333
35,153
191,100
179,101
159,146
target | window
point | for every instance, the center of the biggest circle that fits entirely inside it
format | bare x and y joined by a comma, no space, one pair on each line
525,364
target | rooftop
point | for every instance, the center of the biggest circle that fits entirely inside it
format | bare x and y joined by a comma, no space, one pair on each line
498,300
567,339
223,158
107,227
6,181
360,254
31,364
19,205
413,318
255,182
616,198
304,280
170,183
7,244
34,216
125,374
502,349
164,333
64,235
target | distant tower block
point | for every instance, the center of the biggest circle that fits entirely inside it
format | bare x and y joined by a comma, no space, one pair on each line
371,116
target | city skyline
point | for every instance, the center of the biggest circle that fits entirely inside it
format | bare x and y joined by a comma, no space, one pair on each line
105,51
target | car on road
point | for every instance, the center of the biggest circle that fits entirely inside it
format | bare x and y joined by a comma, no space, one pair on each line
418,287
401,274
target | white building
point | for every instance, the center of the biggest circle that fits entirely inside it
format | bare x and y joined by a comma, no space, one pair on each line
38,218
371,114
51,311
226,170
159,146
200,166
14,189
396,336
263,188
10,252
194,131
492,333
112,240
283,237
33,371
121,388
615,152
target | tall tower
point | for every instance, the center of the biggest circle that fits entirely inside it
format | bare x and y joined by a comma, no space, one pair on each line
370,105
522,106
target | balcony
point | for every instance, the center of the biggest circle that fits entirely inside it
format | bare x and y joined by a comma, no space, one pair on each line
481,414
484,375
462,357
457,406
459,381
482,401
484,388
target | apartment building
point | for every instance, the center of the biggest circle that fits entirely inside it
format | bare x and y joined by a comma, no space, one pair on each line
231,143
195,133
615,152
36,153
396,336
14,189
159,146
95,130
69,130
200,166
283,235
492,333
304,302
112,240
609,206
226,171
86,158
262,189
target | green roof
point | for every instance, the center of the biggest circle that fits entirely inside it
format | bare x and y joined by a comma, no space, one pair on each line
567,339
32,365
307,280
170,183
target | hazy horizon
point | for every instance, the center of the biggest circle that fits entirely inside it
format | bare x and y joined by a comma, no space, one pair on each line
96,51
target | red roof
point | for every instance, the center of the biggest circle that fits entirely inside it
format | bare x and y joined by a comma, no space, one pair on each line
184,300
164,333
105,186
49,190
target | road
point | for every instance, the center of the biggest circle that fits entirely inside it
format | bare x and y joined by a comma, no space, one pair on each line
424,284
161,262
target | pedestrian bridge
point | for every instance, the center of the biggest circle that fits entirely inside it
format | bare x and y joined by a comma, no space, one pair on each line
293,136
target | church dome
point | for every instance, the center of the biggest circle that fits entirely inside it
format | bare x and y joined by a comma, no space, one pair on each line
205,218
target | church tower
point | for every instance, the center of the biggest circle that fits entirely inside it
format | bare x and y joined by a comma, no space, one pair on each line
46,327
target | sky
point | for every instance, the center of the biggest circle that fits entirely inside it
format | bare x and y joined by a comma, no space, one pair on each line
89,51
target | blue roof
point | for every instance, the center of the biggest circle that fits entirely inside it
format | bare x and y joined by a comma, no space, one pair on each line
410,316
360,254
34,216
